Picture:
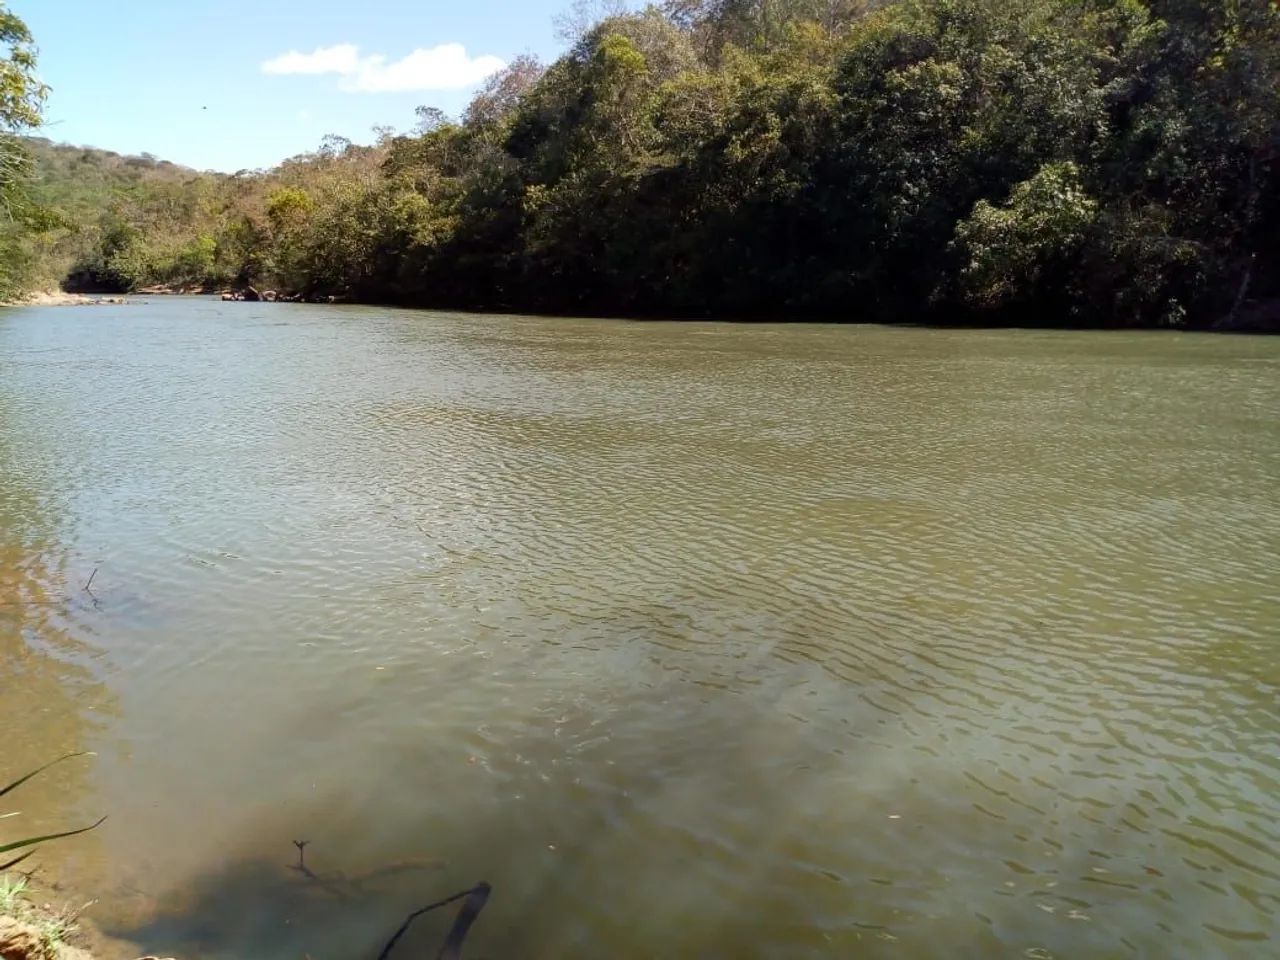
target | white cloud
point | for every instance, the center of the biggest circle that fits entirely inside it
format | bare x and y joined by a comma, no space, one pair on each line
446,67
344,59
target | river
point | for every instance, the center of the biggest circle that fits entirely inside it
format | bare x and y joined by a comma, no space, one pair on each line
691,639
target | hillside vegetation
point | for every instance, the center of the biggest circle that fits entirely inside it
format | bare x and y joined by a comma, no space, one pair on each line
1079,162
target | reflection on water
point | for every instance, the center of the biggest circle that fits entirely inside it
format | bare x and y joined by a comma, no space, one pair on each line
50,701
692,640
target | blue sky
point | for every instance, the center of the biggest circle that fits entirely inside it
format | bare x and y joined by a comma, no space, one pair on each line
240,84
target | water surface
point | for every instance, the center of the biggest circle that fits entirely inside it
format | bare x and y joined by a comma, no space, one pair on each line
693,640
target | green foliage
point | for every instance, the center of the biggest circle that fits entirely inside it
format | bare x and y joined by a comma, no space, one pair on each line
1072,161
1010,251
22,97
21,93
288,209
12,895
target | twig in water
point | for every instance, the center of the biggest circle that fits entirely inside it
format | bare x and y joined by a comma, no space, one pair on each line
452,949
328,885
26,602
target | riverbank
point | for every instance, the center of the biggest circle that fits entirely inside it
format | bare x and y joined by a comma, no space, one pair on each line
34,930
1254,317
30,938
60,298
34,927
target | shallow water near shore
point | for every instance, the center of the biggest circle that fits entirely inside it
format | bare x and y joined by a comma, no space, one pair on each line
692,639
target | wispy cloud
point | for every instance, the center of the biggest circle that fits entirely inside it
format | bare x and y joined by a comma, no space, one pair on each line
446,67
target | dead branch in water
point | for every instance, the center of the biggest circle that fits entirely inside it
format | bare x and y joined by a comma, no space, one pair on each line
452,948
86,587
477,896
337,884
327,884
302,853
346,887
97,604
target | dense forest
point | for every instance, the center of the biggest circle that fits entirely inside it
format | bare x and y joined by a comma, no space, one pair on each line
1079,162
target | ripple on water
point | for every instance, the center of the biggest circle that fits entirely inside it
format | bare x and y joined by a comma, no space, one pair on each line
693,640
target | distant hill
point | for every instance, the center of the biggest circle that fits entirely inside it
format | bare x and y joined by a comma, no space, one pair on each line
79,179
94,193
128,221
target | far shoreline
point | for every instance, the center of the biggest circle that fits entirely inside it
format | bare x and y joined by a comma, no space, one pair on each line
60,298
1260,318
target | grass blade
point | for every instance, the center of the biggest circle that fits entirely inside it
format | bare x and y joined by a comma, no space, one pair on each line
35,773
19,844
15,862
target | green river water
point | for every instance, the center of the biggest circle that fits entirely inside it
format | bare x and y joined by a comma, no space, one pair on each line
694,640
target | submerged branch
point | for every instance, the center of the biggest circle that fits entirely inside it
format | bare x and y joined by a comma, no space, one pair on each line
477,896
329,885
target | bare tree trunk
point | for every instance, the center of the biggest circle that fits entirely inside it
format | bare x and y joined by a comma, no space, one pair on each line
1250,214
1243,292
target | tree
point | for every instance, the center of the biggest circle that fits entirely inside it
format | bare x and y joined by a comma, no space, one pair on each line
943,104
22,97
1021,251
578,19
1195,158
430,119
501,93
289,210
760,24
